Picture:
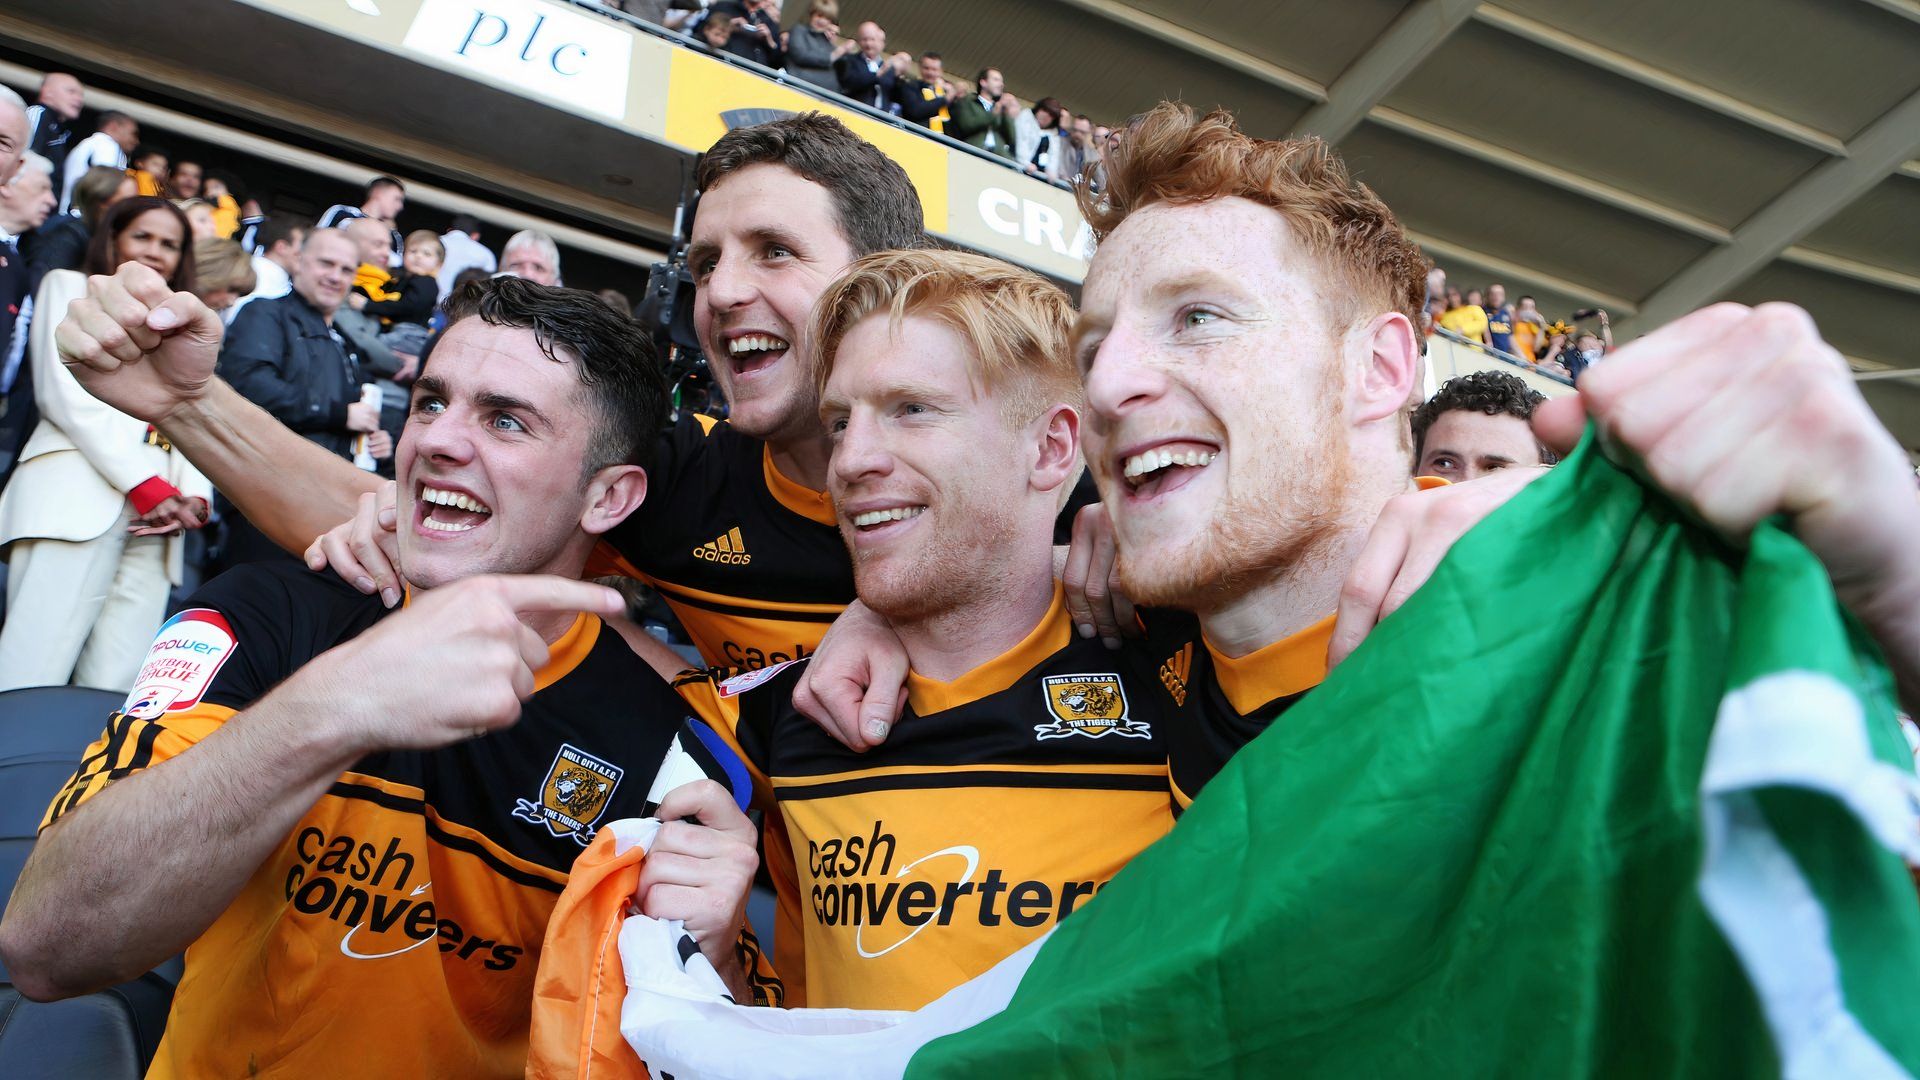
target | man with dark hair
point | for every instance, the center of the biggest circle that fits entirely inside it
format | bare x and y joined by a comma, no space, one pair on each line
985,118
114,137
50,122
186,179
1477,424
384,199
464,251
925,100
306,787
279,237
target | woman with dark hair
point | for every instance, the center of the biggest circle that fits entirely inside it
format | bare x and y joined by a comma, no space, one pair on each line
94,516
61,244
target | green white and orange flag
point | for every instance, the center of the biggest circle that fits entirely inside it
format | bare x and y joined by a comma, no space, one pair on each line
1605,798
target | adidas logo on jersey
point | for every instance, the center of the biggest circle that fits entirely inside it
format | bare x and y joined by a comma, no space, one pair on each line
1174,673
725,548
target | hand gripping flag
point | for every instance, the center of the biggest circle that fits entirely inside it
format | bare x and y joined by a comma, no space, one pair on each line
1633,808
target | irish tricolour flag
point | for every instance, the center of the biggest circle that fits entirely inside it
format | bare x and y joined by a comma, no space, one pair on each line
1605,799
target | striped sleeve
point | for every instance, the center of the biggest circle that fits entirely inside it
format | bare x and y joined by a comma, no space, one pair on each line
128,746
711,701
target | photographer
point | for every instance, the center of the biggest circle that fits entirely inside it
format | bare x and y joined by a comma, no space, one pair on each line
985,118
1586,347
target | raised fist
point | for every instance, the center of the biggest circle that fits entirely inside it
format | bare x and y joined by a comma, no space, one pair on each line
139,346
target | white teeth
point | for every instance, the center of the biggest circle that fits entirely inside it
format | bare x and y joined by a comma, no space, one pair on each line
443,497
438,526
753,342
1154,460
898,513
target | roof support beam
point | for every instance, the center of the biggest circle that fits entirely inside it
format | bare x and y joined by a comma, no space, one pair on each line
1548,173
1414,35
1871,158
1219,52
1664,81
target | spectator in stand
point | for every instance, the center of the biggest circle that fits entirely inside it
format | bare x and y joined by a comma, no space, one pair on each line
403,317
532,255
1078,155
464,251
285,356
222,273
50,122
61,244
96,508
815,46
1477,424
754,30
280,237
186,179
925,100
148,167
1466,317
1587,350
1529,330
115,136
1554,359
200,216
25,203
217,190
714,32
672,14
384,199
1036,136
868,76
1499,319
985,118
616,300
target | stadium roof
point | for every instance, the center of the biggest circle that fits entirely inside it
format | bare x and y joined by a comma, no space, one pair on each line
1643,156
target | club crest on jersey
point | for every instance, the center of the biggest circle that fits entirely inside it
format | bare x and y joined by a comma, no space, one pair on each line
574,795
1091,705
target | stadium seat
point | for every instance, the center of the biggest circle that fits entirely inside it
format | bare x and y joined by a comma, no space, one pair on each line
110,1034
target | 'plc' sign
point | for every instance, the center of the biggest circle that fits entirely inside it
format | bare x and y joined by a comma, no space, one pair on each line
541,50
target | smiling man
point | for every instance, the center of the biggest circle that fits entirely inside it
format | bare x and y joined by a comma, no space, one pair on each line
357,820
952,404
1478,424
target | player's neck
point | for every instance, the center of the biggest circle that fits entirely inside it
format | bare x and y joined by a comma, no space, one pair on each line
1000,612
803,460
1298,596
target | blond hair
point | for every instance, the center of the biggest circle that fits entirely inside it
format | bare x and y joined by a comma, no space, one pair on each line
1015,321
221,264
1171,155
426,236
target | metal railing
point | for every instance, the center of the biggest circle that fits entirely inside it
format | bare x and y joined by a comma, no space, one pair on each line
1501,355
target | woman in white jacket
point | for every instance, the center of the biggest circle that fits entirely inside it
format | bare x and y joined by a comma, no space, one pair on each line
94,517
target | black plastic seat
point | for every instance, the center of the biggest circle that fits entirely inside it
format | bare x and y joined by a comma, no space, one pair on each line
110,1034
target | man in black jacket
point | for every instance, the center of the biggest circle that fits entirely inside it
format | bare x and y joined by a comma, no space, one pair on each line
924,100
867,76
285,356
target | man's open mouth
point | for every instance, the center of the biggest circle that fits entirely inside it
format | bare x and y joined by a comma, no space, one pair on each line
749,353
872,521
1167,467
447,511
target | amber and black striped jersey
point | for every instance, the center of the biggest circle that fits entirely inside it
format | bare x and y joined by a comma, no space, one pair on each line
1220,703
1002,801
750,561
400,921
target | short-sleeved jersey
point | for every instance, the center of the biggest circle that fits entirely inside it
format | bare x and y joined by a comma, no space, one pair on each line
401,919
751,562
1001,801
1221,703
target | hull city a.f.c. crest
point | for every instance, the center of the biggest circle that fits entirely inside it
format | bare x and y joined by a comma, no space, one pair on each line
1091,705
574,795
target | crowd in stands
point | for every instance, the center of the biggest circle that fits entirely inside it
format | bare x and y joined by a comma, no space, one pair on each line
1042,138
1518,331
328,320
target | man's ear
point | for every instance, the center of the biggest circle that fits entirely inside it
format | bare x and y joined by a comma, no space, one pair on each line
1389,357
1057,447
612,494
